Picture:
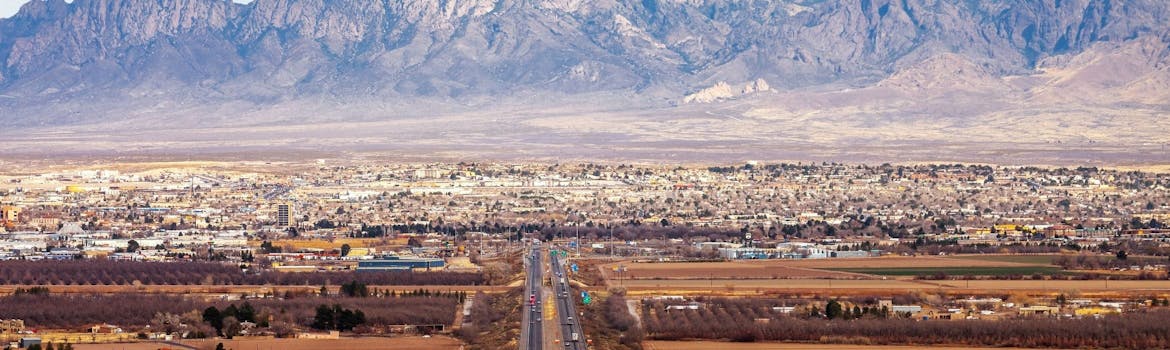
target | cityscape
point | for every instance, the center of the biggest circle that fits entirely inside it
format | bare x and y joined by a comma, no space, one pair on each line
584,174
741,251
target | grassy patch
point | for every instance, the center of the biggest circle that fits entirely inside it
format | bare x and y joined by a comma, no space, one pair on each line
957,271
1021,259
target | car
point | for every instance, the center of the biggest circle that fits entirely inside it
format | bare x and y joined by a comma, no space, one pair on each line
570,318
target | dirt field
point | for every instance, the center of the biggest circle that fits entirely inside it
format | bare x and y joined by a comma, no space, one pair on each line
73,337
711,345
1131,285
402,343
727,270
778,284
781,269
336,243
901,261
891,287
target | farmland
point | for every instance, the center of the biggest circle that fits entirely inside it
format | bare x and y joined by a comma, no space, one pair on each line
369,343
904,262
1042,259
99,272
781,284
79,311
861,322
955,271
724,270
219,290
1134,286
884,275
715,345
832,268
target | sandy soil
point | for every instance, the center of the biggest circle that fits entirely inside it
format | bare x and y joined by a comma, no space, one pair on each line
403,343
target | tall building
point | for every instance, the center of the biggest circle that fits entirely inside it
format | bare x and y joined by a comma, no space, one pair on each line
284,214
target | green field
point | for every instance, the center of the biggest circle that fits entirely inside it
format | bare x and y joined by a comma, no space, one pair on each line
1022,259
956,271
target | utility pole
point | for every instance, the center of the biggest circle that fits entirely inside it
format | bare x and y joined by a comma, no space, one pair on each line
611,240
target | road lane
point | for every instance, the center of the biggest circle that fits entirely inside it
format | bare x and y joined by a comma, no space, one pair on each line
532,325
574,335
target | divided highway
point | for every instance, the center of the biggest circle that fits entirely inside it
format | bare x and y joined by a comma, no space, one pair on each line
573,335
531,326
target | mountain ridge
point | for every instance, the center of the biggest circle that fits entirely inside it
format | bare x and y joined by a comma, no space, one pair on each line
98,61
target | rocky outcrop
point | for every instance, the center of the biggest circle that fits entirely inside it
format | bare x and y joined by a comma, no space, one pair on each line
722,91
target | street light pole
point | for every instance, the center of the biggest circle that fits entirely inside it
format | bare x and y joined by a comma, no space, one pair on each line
611,240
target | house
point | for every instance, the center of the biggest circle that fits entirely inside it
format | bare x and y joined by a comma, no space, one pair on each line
1060,230
67,253
105,328
11,326
688,306
1039,311
850,254
784,309
395,263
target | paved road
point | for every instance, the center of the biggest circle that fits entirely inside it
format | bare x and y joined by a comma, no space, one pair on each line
531,330
566,308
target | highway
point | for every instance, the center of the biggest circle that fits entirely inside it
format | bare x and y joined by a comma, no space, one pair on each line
572,334
531,326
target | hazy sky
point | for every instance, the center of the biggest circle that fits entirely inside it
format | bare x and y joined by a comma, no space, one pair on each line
9,7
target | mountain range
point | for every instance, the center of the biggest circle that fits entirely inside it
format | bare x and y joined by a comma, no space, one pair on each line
564,65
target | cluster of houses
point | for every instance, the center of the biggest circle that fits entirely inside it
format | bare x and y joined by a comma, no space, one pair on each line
988,308
71,242
785,250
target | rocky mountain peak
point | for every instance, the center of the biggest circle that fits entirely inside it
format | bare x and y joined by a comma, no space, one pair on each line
272,51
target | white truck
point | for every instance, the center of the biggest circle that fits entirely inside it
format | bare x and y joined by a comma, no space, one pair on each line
576,337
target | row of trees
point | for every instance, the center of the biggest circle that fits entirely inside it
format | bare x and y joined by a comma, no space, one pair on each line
357,290
79,311
337,318
1141,330
227,323
108,272
1099,262
617,315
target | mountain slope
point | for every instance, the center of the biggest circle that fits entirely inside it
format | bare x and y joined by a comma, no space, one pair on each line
97,61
